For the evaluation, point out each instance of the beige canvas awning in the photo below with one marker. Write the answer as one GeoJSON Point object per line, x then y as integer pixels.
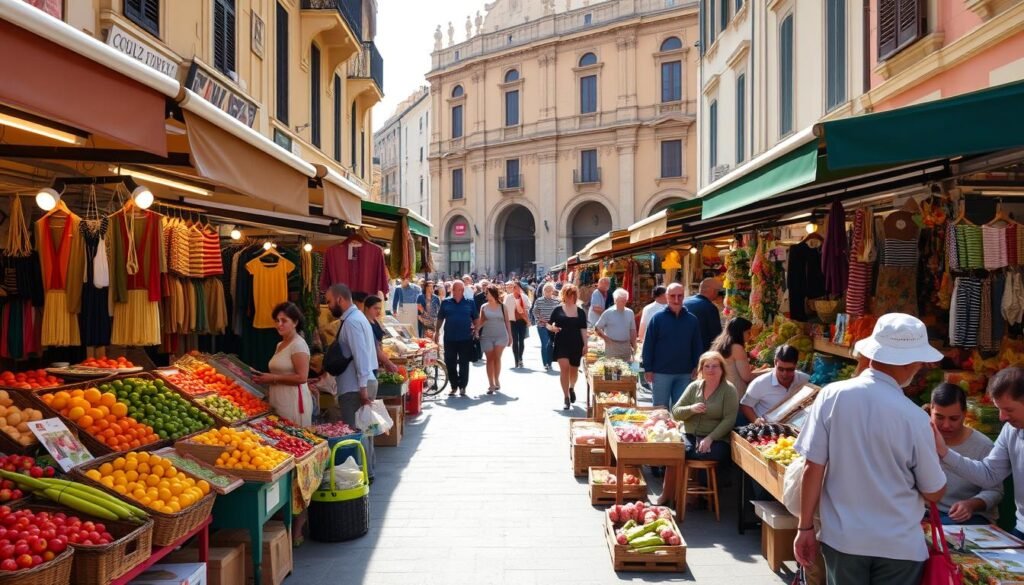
{"type": "Point", "coordinates": [343, 199]}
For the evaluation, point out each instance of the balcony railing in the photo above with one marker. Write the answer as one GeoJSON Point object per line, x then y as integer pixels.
{"type": "Point", "coordinates": [590, 176]}
{"type": "Point", "coordinates": [510, 183]}
{"type": "Point", "coordinates": [350, 10]}
{"type": "Point", "coordinates": [368, 65]}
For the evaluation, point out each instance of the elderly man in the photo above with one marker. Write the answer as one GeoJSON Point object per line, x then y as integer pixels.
{"type": "Point", "coordinates": [543, 306]}
{"type": "Point", "coordinates": [598, 301]}
{"type": "Point", "coordinates": [702, 305]}
{"type": "Point", "coordinates": [617, 327]}
{"type": "Point", "coordinates": [768, 390]}
{"type": "Point", "coordinates": [965, 502]}
{"type": "Point", "coordinates": [457, 317]}
{"type": "Point", "coordinates": [871, 464]}
{"type": "Point", "coordinates": [658, 304]}
{"type": "Point", "coordinates": [671, 350]}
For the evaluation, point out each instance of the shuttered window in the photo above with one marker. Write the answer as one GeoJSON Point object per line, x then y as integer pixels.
{"type": "Point", "coordinates": [588, 94]}
{"type": "Point", "coordinates": [835, 52]}
{"type": "Point", "coordinates": [456, 183]}
{"type": "Point", "coordinates": [456, 122]}
{"type": "Point", "coordinates": [741, 118]}
{"type": "Point", "coordinates": [786, 76]}
{"type": "Point", "coordinates": [712, 23]}
{"type": "Point", "coordinates": [281, 66]}
{"type": "Point", "coordinates": [900, 23]}
{"type": "Point", "coordinates": [224, 35]}
{"type": "Point", "coordinates": [353, 136]}
{"type": "Point", "coordinates": [314, 92]}
{"type": "Point", "coordinates": [145, 13]}
{"type": "Point", "coordinates": [337, 118]}
{"type": "Point", "coordinates": [713, 135]}
{"type": "Point", "coordinates": [723, 14]}
{"type": "Point", "coordinates": [671, 158]}
{"type": "Point", "coordinates": [512, 108]}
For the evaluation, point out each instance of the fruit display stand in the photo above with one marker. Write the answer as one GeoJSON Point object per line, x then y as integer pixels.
{"type": "Point", "coordinates": [769, 474]}
{"type": "Point", "coordinates": [660, 559]}
{"type": "Point", "coordinates": [200, 531]}
{"type": "Point", "coordinates": [585, 451]}
{"type": "Point", "coordinates": [55, 572]}
{"type": "Point", "coordinates": [22, 402]}
{"type": "Point", "coordinates": [603, 493]}
{"type": "Point", "coordinates": [655, 454]}
{"type": "Point", "coordinates": [605, 399]}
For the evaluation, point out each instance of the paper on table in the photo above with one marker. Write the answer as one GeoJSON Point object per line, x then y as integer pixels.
{"type": "Point", "coordinates": [987, 537]}
{"type": "Point", "coordinates": [1008, 559]}
{"type": "Point", "coordinates": [65, 448]}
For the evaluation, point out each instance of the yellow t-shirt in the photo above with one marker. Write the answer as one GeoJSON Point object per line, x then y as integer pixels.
{"type": "Point", "coordinates": [270, 287]}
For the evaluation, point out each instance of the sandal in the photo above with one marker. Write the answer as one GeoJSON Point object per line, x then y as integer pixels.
{"type": "Point", "coordinates": [453, 392]}
{"type": "Point", "coordinates": [490, 390]}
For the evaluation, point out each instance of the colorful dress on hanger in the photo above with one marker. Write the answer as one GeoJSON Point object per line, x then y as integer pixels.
{"type": "Point", "coordinates": [94, 320]}
{"type": "Point", "coordinates": [270, 288]}
{"type": "Point", "coordinates": [62, 261]}
{"type": "Point", "coordinates": [138, 262]}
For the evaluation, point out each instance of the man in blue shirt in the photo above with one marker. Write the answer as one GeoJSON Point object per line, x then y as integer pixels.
{"type": "Point", "coordinates": [457, 316]}
{"type": "Point", "coordinates": [703, 307]}
{"type": "Point", "coordinates": [672, 348]}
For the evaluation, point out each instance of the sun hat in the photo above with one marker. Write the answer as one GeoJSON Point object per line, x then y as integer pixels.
{"type": "Point", "coordinates": [898, 340]}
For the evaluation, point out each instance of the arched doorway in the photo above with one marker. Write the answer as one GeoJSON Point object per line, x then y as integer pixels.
{"type": "Point", "coordinates": [664, 204]}
{"type": "Point", "coordinates": [589, 221]}
{"type": "Point", "coordinates": [517, 241]}
{"type": "Point", "coordinates": [460, 246]}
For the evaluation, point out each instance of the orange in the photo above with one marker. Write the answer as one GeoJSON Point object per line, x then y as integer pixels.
{"type": "Point", "coordinates": [84, 420]}
{"type": "Point", "coordinates": [92, 395]}
{"type": "Point", "coordinates": [106, 469]}
{"type": "Point", "coordinates": [119, 409]}
{"type": "Point", "coordinates": [108, 399]}
{"type": "Point", "coordinates": [93, 474]}
{"type": "Point", "coordinates": [77, 393]}
{"type": "Point", "coordinates": [76, 413]}
{"type": "Point", "coordinates": [95, 413]}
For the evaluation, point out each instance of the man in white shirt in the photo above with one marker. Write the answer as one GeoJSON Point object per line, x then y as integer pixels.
{"type": "Point", "coordinates": [658, 304]}
{"type": "Point", "coordinates": [598, 301]}
{"type": "Point", "coordinates": [871, 464]}
{"type": "Point", "coordinates": [768, 390]}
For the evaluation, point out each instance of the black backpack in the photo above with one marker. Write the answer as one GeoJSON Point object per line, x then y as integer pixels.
{"type": "Point", "coordinates": [335, 362]}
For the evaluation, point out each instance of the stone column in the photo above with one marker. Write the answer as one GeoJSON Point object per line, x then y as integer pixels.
{"type": "Point", "coordinates": [626, 147]}
{"type": "Point", "coordinates": [547, 207]}
{"type": "Point", "coordinates": [476, 168]}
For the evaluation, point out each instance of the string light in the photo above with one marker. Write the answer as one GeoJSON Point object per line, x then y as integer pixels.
{"type": "Point", "coordinates": [47, 198]}
{"type": "Point", "coordinates": [811, 228]}
{"type": "Point", "coordinates": [693, 249]}
{"type": "Point", "coordinates": [267, 245]}
{"type": "Point", "coordinates": [143, 197]}
{"type": "Point", "coordinates": [307, 247]}
{"type": "Point", "coordinates": [236, 234]}
{"type": "Point", "coordinates": [387, 251]}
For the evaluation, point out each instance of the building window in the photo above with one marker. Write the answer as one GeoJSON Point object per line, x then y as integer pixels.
{"type": "Point", "coordinates": [588, 59]}
{"type": "Point", "coordinates": [224, 35]}
{"type": "Point", "coordinates": [337, 118]}
{"type": "Point", "coordinates": [352, 136]}
{"type": "Point", "coordinates": [456, 183]}
{"type": "Point", "coordinates": [723, 14]}
{"type": "Point", "coordinates": [900, 23]}
{"type": "Point", "coordinates": [786, 76]}
{"type": "Point", "coordinates": [456, 122]}
{"type": "Point", "coordinates": [458, 92]}
{"type": "Point", "coordinates": [421, 154]}
{"type": "Point", "coordinates": [739, 5]}
{"type": "Point", "coordinates": [741, 118]}
{"type": "Point", "coordinates": [421, 124]}
{"type": "Point", "coordinates": [512, 107]}
{"type": "Point", "coordinates": [314, 92]}
{"type": "Point", "coordinates": [712, 23]}
{"type": "Point", "coordinates": [512, 176]}
{"type": "Point", "coordinates": [589, 172]}
{"type": "Point", "coordinates": [588, 19]}
{"type": "Point", "coordinates": [713, 134]}
{"type": "Point", "coordinates": [282, 63]}
{"type": "Point", "coordinates": [421, 188]}
{"type": "Point", "coordinates": [671, 81]}
{"type": "Point", "coordinates": [835, 37]}
{"type": "Point", "coordinates": [145, 13]}
{"type": "Point", "coordinates": [671, 158]}
{"type": "Point", "coordinates": [588, 94]}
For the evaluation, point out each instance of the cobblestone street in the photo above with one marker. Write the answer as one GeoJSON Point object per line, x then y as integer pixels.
{"type": "Point", "coordinates": [481, 491]}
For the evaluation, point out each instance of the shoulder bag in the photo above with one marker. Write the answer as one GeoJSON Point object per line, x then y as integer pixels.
{"type": "Point", "coordinates": [939, 569]}
{"type": "Point", "coordinates": [335, 362]}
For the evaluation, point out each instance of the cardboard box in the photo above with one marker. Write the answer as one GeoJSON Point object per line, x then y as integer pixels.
{"type": "Point", "coordinates": [394, 436]}
{"type": "Point", "coordinates": [224, 565]}
{"type": "Point", "coordinates": [170, 574]}
{"type": "Point", "coordinates": [277, 551]}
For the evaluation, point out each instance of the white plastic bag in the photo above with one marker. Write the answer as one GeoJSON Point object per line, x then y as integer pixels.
{"type": "Point", "coordinates": [347, 475]}
{"type": "Point", "coordinates": [374, 419]}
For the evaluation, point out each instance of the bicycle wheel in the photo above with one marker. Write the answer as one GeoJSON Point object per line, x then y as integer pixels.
{"type": "Point", "coordinates": [437, 379]}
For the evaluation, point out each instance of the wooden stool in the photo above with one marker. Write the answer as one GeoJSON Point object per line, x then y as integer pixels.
{"type": "Point", "coordinates": [693, 489]}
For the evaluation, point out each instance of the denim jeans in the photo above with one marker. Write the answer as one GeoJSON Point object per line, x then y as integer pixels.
{"type": "Point", "coordinates": [668, 389]}
{"type": "Point", "coordinates": [547, 346]}
{"type": "Point", "coordinates": [519, 331]}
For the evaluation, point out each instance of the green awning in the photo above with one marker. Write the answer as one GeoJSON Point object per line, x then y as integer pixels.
{"type": "Point", "coordinates": [789, 171]}
{"type": "Point", "coordinates": [982, 121]}
{"type": "Point", "coordinates": [391, 212]}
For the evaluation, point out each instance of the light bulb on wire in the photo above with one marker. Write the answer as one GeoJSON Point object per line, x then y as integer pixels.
{"type": "Point", "coordinates": [47, 198]}
{"type": "Point", "coordinates": [267, 245]}
{"type": "Point", "coordinates": [142, 197]}
{"type": "Point", "coordinates": [811, 227]}
{"type": "Point", "coordinates": [236, 234]}
{"type": "Point", "coordinates": [307, 247]}
{"type": "Point", "coordinates": [693, 249]}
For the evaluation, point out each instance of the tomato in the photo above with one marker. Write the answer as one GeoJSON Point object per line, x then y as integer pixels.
{"type": "Point", "coordinates": [24, 561]}
{"type": "Point", "coordinates": [49, 556]}
{"type": "Point", "coordinates": [38, 546]}
{"type": "Point", "coordinates": [58, 544]}
{"type": "Point", "coordinates": [7, 551]}
{"type": "Point", "coordinates": [8, 565]}
{"type": "Point", "coordinates": [21, 548]}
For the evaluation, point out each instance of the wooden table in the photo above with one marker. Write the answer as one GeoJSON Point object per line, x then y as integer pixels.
{"type": "Point", "coordinates": [671, 455]}
{"type": "Point", "coordinates": [768, 474]}
{"type": "Point", "coordinates": [203, 530]}
{"type": "Point", "coordinates": [249, 507]}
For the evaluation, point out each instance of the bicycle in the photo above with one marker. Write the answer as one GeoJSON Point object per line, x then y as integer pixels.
{"type": "Point", "coordinates": [437, 373]}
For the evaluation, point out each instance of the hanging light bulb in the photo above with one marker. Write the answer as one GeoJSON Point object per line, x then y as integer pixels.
{"type": "Point", "coordinates": [47, 198]}
{"type": "Point", "coordinates": [693, 249]}
{"type": "Point", "coordinates": [236, 234]}
{"type": "Point", "coordinates": [267, 245]}
{"type": "Point", "coordinates": [307, 247]}
{"type": "Point", "coordinates": [387, 251]}
{"type": "Point", "coordinates": [811, 227]}
{"type": "Point", "coordinates": [143, 197]}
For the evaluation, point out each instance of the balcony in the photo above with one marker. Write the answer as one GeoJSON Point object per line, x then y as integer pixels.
{"type": "Point", "coordinates": [366, 74]}
{"type": "Point", "coordinates": [510, 183]}
{"type": "Point", "coordinates": [588, 176]}
{"type": "Point", "coordinates": [336, 24]}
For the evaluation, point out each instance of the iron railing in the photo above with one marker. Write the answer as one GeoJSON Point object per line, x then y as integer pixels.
{"type": "Point", "coordinates": [510, 182]}
{"type": "Point", "coordinates": [350, 10]}
{"type": "Point", "coordinates": [368, 64]}
{"type": "Point", "coordinates": [590, 176]}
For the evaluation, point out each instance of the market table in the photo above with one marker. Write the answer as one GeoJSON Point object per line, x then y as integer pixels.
{"type": "Point", "coordinates": [202, 530]}
{"type": "Point", "coordinates": [249, 507]}
{"type": "Point", "coordinates": [656, 454]}
{"type": "Point", "coordinates": [768, 474]}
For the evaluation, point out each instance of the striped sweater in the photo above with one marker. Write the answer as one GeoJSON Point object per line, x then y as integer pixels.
{"type": "Point", "coordinates": [543, 307]}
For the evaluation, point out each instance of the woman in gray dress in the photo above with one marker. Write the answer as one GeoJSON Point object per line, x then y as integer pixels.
{"type": "Point", "coordinates": [495, 334]}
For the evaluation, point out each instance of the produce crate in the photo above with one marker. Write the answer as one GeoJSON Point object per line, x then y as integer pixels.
{"type": "Point", "coordinates": [98, 565]}
{"type": "Point", "coordinates": [393, 390]}
{"type": "Point", "coordinates": [601, 408]}
{"type": "Point", "coordinates": [8, 444]}
{"type": "Point", "coordinates": [164, 373]}
{"type": "Point", "coordinates": [96, 448]}
{"type": "Point", "coordinates": [55, 572]}
{"type": "Point", "coordinates": [641, 451]}
{"type": "Point", "coordinates": [210, 453]}
{"type": "Point", "coordinates": [394, 437]}
{"type": "Point", "coordinates": [666, 559]}
{"type": "Point", "coordinates": [167, 528]}
{"type": "Point", "coordinates": [604, 494]}
{"type": "Point", "coordinates": [769, 474]}
{"type": "Point", "coordinates": [583, 457]}
{"type": "Point", "coordinates": [623, 384]}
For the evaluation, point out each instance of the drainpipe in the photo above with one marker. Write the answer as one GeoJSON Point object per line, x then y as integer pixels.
{"type": "Point", "coordinates": [751, 86]}
{"type": "Point", "coordinates": [700, 92]}
{"type": "Point", "coordinates": [866, 46]}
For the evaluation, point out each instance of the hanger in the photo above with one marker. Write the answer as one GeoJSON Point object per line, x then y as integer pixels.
{"type": "Point", "coordinates": [961, 217]}
{"type": "Point", "coordinates": [1001, 218]}
{"type": "Point", "coordinates": [272, 251]}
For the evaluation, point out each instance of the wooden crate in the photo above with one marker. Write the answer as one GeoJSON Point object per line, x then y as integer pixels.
{"type": "Point", "coordinates": [601, 408]}
{"type": "Point", "coordinates": [769, 474]}
{"type": "Point", "coordinates": [604, 494]}
{"type": "Point", "coordinates": [583, 457]}
{"type": "Point", "coordinates": [210, 453]}
{"type": "Point", "coordinates": [666, 559]}
{"type": "Point", "coordinates": [394, 437]}
{"type": "Point", "coordinates": [624, 384]}
{"type": "Point", "coordinates": [642, 451]}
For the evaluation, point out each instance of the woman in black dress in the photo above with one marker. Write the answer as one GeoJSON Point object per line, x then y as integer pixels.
{"type": "Point", "coordinates": [569, 325]}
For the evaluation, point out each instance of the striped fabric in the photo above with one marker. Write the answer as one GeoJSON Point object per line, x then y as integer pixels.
{"type": "Point", "coordinates": [543, 307]}
{"type": "Point", "coordinates": [952, 248]}
{"type": "Point", "coordinates": [965, 315]}
{"type": "Point", "coordinates": [985, 340]}
{"type": "Point", "coordinates": [994, 243]}
{"type": "Point", "coordinates": [1012, 259]}
{"type": "Point", "coordinates": [970, 247]}
{"type": "Point", "coordinates": [900, 252]}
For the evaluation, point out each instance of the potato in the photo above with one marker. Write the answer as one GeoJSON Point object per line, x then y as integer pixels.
{"type": "Point", "coordinates": [3, 412]}
{"type": "Point", "coordinates": [27, 439]}
{"type": "Point", "coordinates": [36, 415]}
{"type": "Point", "coordinates": [22, 426]}
{"type": "Point", "coordinates": [14, 417]}
{"type": "Point", "coordinates": [13, 432]}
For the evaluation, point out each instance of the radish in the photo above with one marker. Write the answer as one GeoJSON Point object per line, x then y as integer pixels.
{"type": "Point", "coordinates": [666, 533]}
{"type": "Point", "coordinates": [621, 539]}
{"type": "Point", "coordinates": [649, 517]}
{"type": "Point", "coordinates": [613, 514]}
{"type": "Point", "coordinates": [674, 540]}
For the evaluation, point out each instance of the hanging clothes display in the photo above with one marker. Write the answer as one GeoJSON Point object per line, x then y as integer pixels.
{"type": "Point", "coordinates": [270, 273]}
{"type": "Point", "coordinates": [358, 263]}
{"type": "Point", "coordinates": [861, 251]}
{"type": "Point", "coordinates": [896, 289]}
{"type": "Point", "coordinates": [834, 255]}
{"type": "Point", "coordinates": [965, 312]}
{"type": "Point", "coordinates": [22, 286]}
{"type": "Point", "coordinates": [138, 262]}
{"type": "Point", "coordinates": [804, 278]}
{"type": "Point", "coordinates": [62, 262]}
{"type": "Point", "coordinates": [95, 320]}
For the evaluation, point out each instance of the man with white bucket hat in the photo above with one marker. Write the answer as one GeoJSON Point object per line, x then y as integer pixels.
{"type": "Point", "coordinates": [881, 462]}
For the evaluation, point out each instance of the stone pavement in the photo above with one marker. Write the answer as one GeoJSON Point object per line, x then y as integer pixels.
{"type": "Point", "coordinates": [481, 492]}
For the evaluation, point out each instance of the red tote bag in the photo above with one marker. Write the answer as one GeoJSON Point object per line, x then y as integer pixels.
{"type": "Point", "coordinates": [939, 569]}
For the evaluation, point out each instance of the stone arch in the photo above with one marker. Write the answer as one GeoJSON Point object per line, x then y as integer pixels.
{"type": "Point", "coordinates": [663, 199]}
{"type": "Point", "coordinates": [586, 221]}
{"type": "Point", "coordinates": [515, 238]}
{"type": "Point", "coordinates": [449, 220]}
{"type": "Point", "coordinates": [565, 222]}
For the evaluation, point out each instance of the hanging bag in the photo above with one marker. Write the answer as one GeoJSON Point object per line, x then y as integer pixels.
{"type": "Point", "coordinates": [939, 569]}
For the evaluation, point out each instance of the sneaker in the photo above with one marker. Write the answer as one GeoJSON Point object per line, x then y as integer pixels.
{"type": "Point", "coordinates": [454, 391]}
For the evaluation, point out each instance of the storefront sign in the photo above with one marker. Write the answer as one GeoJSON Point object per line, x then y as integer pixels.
{"type": "Point", "coordinates": [460, 230]}
{"type": "Point", "coordinates": [206, 85]}
{"type": "Point", "coordinates": [54, 8]}
{"type": "Point", "coordinates": [142, 52]}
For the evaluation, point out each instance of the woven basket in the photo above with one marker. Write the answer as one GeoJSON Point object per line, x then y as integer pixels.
{"type": "Point", "coordinates": [339, 521]}
{"type": "Point", "coordinates": [167, 528]}
{"type": "Point", "coordinates": [55, 572]}
{"type": "Point", "coordinates": [98, 565]}
{"type": "Point", "coordinates": [827, 309]}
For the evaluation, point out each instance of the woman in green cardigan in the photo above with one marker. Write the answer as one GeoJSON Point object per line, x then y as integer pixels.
{"type": "Point", "coordinates": [707, 410]}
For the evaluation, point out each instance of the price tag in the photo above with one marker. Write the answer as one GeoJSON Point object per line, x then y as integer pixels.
{"type": "Point", "coordinates": [273, 496]}
{"type": "Point", "coordinates": [63, 446]}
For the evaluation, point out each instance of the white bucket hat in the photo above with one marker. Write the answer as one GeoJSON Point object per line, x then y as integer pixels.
{"type": "Point", "coordinates": [898, 340]}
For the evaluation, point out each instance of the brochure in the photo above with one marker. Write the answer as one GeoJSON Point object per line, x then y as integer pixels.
{"type": "Point", "coordinates": [64, 447]}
